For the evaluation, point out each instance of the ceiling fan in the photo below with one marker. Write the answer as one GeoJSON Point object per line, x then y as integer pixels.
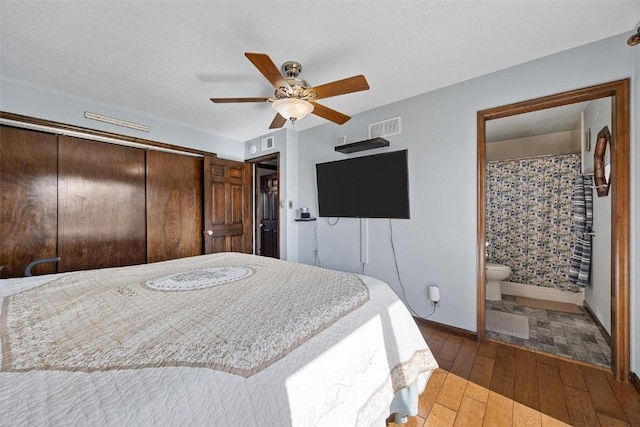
{"type": "Point", "coordinates": [294, 98]}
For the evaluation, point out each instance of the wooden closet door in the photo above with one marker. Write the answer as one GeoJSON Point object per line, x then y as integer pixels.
{"type": "Point", "coordinates": [174, 206]}
{"type": "Point", "coordinates": [28, 200]}
{"type": "Point", "coordinates": [101, 205]}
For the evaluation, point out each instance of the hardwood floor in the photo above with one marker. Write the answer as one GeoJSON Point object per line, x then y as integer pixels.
{"type": "Point", "coordinates": [493, 384]}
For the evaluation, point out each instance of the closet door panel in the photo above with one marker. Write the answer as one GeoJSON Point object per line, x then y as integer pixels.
{"type": "Point", "coordinates": [28, 200]}
{"type": "Point", "coordinates": [174, 206]}
{"type": "Point", "coordinates": [101, 205]}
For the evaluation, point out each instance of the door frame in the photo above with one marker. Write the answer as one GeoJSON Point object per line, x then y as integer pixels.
{"type": "Point", "coordinates": [620, 206]}
{"type": "Point", "coordinates": [256, 194]}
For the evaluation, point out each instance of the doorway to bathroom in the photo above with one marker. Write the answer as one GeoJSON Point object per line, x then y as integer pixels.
{"type": "Point", "coordinates": [526, 213]}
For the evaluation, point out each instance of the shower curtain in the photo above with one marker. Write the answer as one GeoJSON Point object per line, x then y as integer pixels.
{"type": "Point", "coordinates": [529, 218]}
{"type": "Point", "coordinates": [580, 264]}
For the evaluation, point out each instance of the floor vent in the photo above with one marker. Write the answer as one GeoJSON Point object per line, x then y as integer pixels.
{"type": "Point", "coordinates": [385, 128]}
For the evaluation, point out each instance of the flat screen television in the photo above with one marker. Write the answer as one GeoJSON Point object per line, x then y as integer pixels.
{"type": "Point", "coordinates": [375, 186]}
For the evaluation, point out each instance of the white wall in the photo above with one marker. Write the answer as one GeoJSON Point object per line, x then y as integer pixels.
{"type": "Point", "coordinates": [598, 294]}
{"type": "Point", "coordinates": [437, 245]}
{"type": "Point", "coordinates": [28, 101]}
{"type": "Point", "coordinates": [290, 198]}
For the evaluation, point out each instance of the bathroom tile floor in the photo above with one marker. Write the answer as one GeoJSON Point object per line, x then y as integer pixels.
{"type": "Point", "coordinates": [571, 335]}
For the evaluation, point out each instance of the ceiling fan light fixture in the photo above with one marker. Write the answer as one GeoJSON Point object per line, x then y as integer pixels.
{"type": "Point", "coordinates": [293, 109]}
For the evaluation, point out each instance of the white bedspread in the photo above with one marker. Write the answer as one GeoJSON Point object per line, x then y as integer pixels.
{"type": "Point", "coordinates": [345, 375]}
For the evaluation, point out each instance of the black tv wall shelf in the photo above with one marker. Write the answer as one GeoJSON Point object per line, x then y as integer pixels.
{"type": "Point", "coordinates": [367, 144]}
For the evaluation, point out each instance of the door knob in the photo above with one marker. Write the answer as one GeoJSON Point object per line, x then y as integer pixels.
{"type": "Point", "coordinates": [209, 232]}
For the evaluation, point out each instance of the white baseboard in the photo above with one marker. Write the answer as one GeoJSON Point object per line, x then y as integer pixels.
{"type": "Point", "coordinates": [541, 292]}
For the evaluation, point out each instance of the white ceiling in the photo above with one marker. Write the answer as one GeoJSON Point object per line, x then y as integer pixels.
{"type": "Point", "coordinates": [541, 122]}
{"type": "Point", "coordinates": [167, 58]}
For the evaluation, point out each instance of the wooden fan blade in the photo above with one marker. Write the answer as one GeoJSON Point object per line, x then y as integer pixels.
{"type": "Point", "coordinates": [278, 122]}
{"type": "Point", "coordinates": [265, 65]}
{"type": "Point", "coordinates": [340, 87]}
{"type": "Point", "coordinates": [329, 114]}
{"type": "Point", "coordinates": [228, 100]}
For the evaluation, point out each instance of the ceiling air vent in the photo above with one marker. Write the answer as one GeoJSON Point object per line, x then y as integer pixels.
{"type": "Point", "coordinates": [267, 143]}
{"type": "Point", "coordinates": [385, 128]}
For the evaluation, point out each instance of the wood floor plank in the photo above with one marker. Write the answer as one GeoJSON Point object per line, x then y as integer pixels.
{"type": "Point", "coordinates": [428, 397]}
{"type": "Point", "coordinates": [629, 399]}
{"type": "Point", "coordinates": [523, 416]}
{"type": "Point", "coordinates": [504, 371]}
{"type": "Point", "coordinates": [606, 421]}
{"type": "Point", "coordinates": [426, 329]}
{"type": "Point", "coordinates": [580, 408]}
{"type": "Point", "coordinates": [463, 363]}
{"type": "Point", "coordinates": [470, 414]}
{"type": "Point", "coordinates": [466, 390]}
{"type": "Point", "coordinates": [482, 371]}
{"type": "Point", "coordinates": [548, 360]}
{"type": "Point", "coordinates": [452, 391]}
{"type": "Point", "coordinates": [445, 364]}
{"type": "Point", "coordinates": [604, 400]}
{"type": "Point", "coordinates": [480, 379]}
{"type": "Point", "coordinates": [476, 392]}
{"type": "Point", "coordinates": [499, 411]}
{"type": "Point", "coordinates": [552, 399]}
{"type": "Point", "coordinates": [488, 349]}
{"type": "Point", "coordinates": [450, 348]}
{"type": "Point", "coordinates": [548, 421]}
{"type": "Point", "coordinates": [571, 375]}
{"type": "Point", "coordinates": [436, 341]}
{"type": "Point", "coordinates": [440, 416]}
{"type": "Point", "coordinates": [526, 380]}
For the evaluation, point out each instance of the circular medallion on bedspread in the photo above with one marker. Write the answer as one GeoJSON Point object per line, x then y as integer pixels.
{"type": "Point", "coordinates": [199, 279]}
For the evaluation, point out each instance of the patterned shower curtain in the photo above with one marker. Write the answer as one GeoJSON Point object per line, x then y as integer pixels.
{"type": "Point", "coordinates": [580, 264]}
{"type": "Point", "coordinates": [529, 218]}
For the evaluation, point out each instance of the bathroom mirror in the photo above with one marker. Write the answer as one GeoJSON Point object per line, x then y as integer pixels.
{"type": "Point", "coordinates": [602, 162]}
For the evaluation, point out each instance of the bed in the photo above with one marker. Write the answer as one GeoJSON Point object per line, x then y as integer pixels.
{"type": "Point", "coordinates": [221, 339]}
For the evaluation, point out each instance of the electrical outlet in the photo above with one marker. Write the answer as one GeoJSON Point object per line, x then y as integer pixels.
{"type": "Point", "coordinates": [434, 294]}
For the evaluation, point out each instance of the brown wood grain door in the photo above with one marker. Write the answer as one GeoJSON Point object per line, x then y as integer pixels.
{"type": "Point", "coordinates": [28, 200]}
{"type": "Point", "coordinates": [268, 212]}
{"type": "Point", "coordinates": [101, 205]}
{"type": "Point", "coordinates": [174, 206]}
{"type": "Point", "coordinates": [227, 206]}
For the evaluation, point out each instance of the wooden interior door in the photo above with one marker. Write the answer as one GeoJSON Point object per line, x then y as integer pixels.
{"type": "Point", "coordinates": [174, 206]}
{"type": "Point", "coordinates": [101, 205]}
{"type": "Point", "coordinates": [268, 216]}
{"type": "Point", "coordinates": [28, 200]}
{"type": "Point", "coordinates": [227, 206]}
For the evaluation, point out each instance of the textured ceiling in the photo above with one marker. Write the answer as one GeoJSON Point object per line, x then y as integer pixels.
{"type": "Point", "coordinates": [167, 58]}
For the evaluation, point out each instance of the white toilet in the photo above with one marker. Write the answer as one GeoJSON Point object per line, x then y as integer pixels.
{"type": "Point", "coordinates": [496, 273]}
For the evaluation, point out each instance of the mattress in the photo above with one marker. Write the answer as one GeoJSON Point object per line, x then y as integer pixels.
{"type": "Point", "coordinates": [221, 339]}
